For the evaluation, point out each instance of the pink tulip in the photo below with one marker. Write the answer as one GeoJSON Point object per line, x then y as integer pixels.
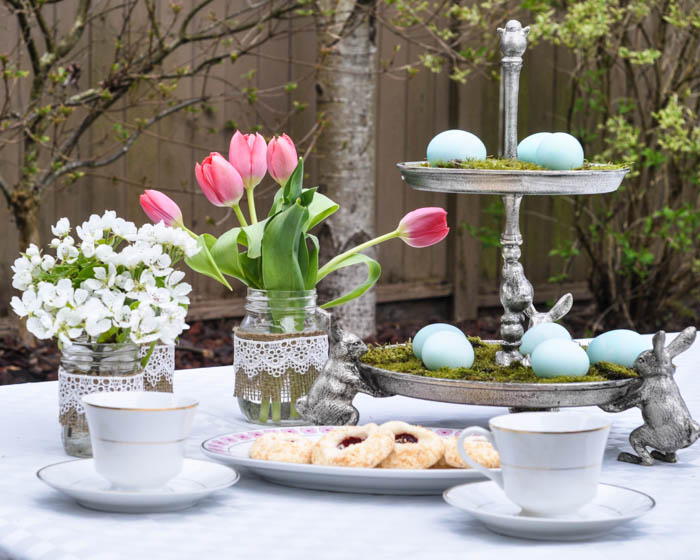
{"type": "Point", "coordinates": [219, 180]}
{"type": "Point", "coordinates": [247, 153]}
{"type": "Point", "coordinates": [281, 158]}
{"type": "Point", "coordinates": [423, 227]}
{"type": "Point", "coordinates": [161, 208]}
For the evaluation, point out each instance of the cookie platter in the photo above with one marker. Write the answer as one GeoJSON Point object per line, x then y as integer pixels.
{"type": "Point", "coordinates": [234, 448]}
{"type": "Point", "coordinates": [513, 395]}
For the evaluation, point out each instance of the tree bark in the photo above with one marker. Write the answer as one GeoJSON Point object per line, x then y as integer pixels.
{"type": "Point", "coordinates": [25, 207]}
{"type": "Point", "coordinates": [346, 170]}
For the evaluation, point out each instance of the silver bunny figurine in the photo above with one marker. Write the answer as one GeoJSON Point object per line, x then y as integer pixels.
{"type": "Point", "coordinates": [668, 425]}
{"type": "Point", "coordinates": [329, 401]}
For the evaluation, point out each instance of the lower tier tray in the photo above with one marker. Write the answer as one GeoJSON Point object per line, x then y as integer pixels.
{"type": "Point", "coordinates": [514, 395]}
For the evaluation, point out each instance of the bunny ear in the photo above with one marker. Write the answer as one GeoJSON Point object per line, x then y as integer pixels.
{"type": "Point", "coordinates": [682, 342]}
{"type": "Point", "coordinates": [562, 307]}
{"type": "Point", "coordinates": [659, 341]}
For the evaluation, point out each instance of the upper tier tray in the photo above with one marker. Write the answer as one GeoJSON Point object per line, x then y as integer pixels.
{"type": "Point", "coordinates": [494, 181]}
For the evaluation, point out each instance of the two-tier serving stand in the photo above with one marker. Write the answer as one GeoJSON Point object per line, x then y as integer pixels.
{"type": "Point", "coordinates": [516, 292]}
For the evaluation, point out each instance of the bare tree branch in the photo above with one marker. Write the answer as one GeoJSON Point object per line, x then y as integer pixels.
{"type": "Point", "coordinates": [50, 178]}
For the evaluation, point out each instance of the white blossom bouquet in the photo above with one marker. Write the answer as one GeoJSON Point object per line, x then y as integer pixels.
{"type": "Point", "coordinates": [116, 285]}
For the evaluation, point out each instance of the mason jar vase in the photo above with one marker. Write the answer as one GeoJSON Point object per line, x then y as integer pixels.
{"type": "Point", "coordinates": [279, 350]}
{"type": "Point", "coordinates": [85, 368]}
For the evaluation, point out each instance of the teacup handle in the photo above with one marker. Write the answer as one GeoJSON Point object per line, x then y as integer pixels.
{"type": "Point", "coordinates": [497, 477]}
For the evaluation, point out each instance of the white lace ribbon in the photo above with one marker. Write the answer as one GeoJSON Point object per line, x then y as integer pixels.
{"type": "Point", "coordinates": [71, 387]}
{"type": "Point", "coordinates": [161, 364]}
{"type": "Point", "coordinates": [276, 357]}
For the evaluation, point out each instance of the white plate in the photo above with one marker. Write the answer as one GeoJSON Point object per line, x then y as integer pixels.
{"type": "Point", "coordinates": [612, 506]}
{"type": "Point", "coordinates": [78, 479]}
{"type": "Point", "coordinates": [234, 448]}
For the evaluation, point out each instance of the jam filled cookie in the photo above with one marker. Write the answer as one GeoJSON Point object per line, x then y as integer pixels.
{"type": "Point", "coordinates": [478, 448]}
{"type": "Point", "coordinates": [353, 446]}
{"type": "Point", "coordinates": [286, 448]}
{"type": "Point", "coordinates": [414, 447]}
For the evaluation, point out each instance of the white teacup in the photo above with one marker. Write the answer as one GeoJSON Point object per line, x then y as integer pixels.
{"type": "Point", "coordinates": [550, 461]}
{"type": "Point", "coordinates": [138, 438]}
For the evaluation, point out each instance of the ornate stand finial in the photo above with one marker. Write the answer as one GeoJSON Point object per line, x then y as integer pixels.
{"type": "Point", "coordinates": [516, 290]}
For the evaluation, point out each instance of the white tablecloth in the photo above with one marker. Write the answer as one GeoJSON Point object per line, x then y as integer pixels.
{"type": "Point", "coordinates": [258, 520]}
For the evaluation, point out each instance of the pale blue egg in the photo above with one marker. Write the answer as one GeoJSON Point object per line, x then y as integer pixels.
{"type": "Point", "coordinates": [620, 346]}
{"type": "Point", "coordinates": [540, 333]}
{"type": "Point", "coordinates": [447, 349]}
{"type": "Point", "coordinates": [455, 144]}
{"type": "Point", "coordinates": [555, 357]}
{"type": "Point", "coordinates": [559, 151]}
{"type": "Point", "coordinates": [527, 149]}
{"type": "Point", "coordinates": [423, 334]}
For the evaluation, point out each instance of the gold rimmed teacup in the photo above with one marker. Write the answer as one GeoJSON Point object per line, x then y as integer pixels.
{"type": "Point", "coordinates": [138, 438]}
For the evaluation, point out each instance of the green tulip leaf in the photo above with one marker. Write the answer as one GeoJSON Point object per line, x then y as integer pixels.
{"type": "Point", "coordinates": [280, 250]}
{"type": "Point", "coordinates": [253, 235]}
{"type": "Point", "coordinates": [252, 269]}
{"type": "Point", "coordinates": [312, 271]}
{"type": "Point", "coordinates": [292, 188]}
{"type": "Point", "coordinates": [204, 263]}
{"type": "Point", "coordinates": [320, 208]}
{"type": "Point", "coordinates": [374, 271]}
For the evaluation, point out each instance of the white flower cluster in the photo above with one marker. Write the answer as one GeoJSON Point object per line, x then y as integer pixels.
{"type": "Point", "coordinates": [117, 281]}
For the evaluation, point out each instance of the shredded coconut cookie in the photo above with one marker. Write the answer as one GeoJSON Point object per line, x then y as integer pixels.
{"type": "Point", "coordinates": [286, 448]}
{"type": "Point", "coordinates": [414, 447]}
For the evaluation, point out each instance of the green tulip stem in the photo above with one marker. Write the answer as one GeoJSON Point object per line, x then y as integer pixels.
{"type": "Point", "coordinates": [251, 206]}
{"type": "Point", "coordinates": [239, 215]}
{"type": "Point", "coordinates": [264, 409]}
{"type": "Point", "coordinates": [276, 410]}
{"type": "Point", "coordinates": [330, 265]}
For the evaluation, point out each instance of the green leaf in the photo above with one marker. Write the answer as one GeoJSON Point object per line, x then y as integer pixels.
{"type": "Point", "coordinates": [307, 196]}
{"type": "Point", "coordinates": [374, 271]}
{"type": "Point", "coordinates": [252, 268]}
{"type": "Point", "coordinates": [224, 251]}
{"type": "Point", "coordinates": [253, 238]}
{"type": "Point", "coordinates": [203, 262]}
{"type": "Point", "coordinates": [312, 272]}
{"type": "Point", "coordinates": [320, 208]}
{"type": "Point", "coordinates": [292, 188]}
{"type": "Point", "coordinates": [280, 248]}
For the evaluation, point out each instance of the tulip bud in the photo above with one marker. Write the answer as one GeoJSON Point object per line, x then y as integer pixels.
{"type": "Point", "coordinates": [281, 158]}
{"type": "Point", "coordinates": [247, 153]}
{"type": "Point", "coordinates": [219, 180]}
{"type": "Point", "coordinates": [161, 208]}
{"type": "Point", "coordinates": [423, 227]}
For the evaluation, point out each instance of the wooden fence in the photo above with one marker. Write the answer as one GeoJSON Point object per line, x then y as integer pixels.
{"type": "Point", "coordinates": [408, 112]}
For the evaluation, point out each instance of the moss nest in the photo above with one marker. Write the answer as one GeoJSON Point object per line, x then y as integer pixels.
{"type": "Point", "coordinates": [505, 164]}
{"type": "Point", "coordinates": [401, 359]}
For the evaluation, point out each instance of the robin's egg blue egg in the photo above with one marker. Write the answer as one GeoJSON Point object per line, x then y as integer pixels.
{"type": "Point", "coordinates": [559, 151]}
{"type": "Point", "coordinates": [423, 334]}
{"type": "Point", "coordinates": [540, 333]}
{"type": "Point", "coordinates": [527, 149]}
{"type": "Point", "coordinates": [452, 145]}
{"type": "Point", "coordinates": [555, 357]}
{"type": "Point", "coordinates": [447, 349]}
{"type": "Point", "coordinates": [621, 346]}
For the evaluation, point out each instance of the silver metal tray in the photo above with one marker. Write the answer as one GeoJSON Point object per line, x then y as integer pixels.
{"type": "Point", "coordinates": [515, 395]}
{"type": "Point", "coordinates": [494, 181]}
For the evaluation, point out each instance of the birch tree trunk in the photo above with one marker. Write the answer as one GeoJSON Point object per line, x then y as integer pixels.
{"type": "Point", "coordinates": [345, 92]}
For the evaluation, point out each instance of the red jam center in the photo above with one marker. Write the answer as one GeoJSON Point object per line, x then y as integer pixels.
{"type": "Point", "coordinates": [405, 438]}
{"type": "Point", "coordinates": [348, 441]}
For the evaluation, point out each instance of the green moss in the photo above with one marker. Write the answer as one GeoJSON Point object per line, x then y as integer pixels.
{"type": "Point", "coordinates": [503, 164]}
{"type": "Point", "coordinates": [401, 359]}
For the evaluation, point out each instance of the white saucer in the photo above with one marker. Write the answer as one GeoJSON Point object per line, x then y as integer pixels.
{"type": "Point", "coordinates": [612, 506]}
{"type": "Point", "coordinates": [78, 479]}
